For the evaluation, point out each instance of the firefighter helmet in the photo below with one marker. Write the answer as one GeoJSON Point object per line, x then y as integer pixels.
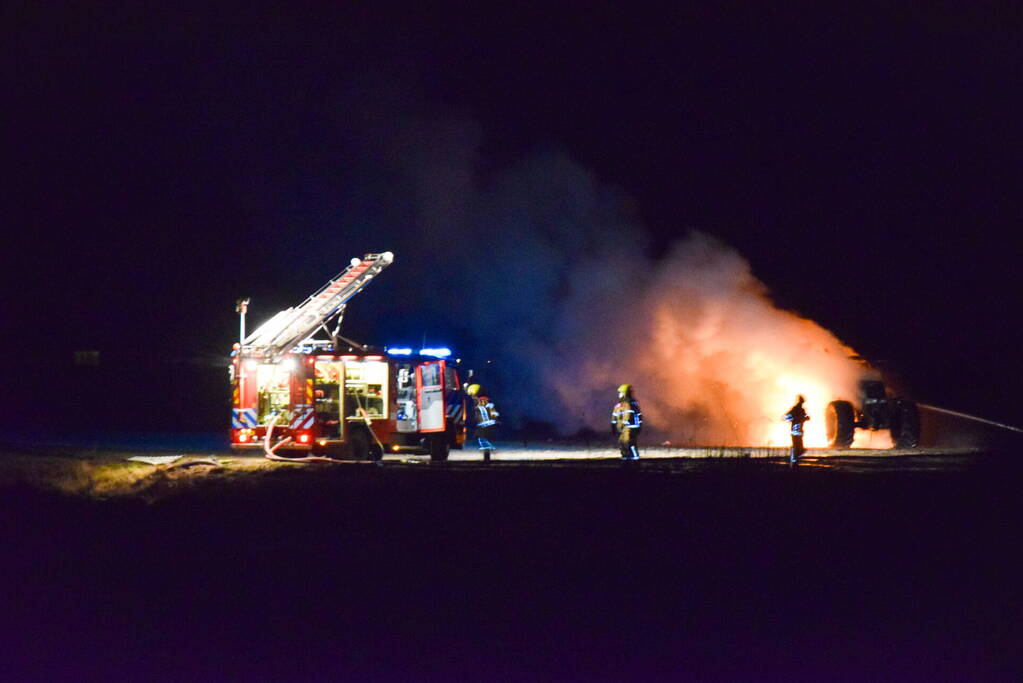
{"type": "Point", "coordinates": [472, 389]}
{"type": "Point", "coordinates": [625, 390]}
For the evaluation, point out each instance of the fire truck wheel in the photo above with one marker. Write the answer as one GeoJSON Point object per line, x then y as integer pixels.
{"type": "Point", "coordinates": [439, 447]}
{"type": "Point", "coordinates": [840, 422]}
{"type": "Point", "coordinates": [358, 444]}
{"type": "Point", "coordinates": [905, 425]}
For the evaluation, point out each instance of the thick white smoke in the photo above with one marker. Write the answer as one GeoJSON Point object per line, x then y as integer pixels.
{"type": "Point", "coordinates": [571, 305]}
{"type": "Point", "coordinates": [712, 359]}
{"type": "Point", "coordinates": [551, 275]}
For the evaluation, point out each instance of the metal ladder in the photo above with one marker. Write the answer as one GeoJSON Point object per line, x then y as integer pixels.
{"type": "Point", "coordinates": [293, 325]}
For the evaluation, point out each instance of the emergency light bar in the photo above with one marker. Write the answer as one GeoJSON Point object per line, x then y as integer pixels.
{"type": "Point", "coordinates": [440, 352]}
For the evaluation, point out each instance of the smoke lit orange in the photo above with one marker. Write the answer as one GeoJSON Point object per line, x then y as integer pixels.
{"type": "Point", "coordinates": [714, 361]}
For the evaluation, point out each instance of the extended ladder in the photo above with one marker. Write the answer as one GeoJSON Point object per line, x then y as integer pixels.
{"type": "Point", "coordinates": [292, 326]}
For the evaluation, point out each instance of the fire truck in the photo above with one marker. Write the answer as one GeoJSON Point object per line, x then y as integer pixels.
{"type": "Point", "coordinates": [298, 395]}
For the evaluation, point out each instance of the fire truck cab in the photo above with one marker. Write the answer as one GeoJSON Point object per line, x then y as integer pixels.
{"type": "Point", "coordinates": [299, 395]}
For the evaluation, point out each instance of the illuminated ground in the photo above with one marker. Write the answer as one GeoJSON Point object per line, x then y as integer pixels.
{"type": "Point", "coordinates": [562, 565]}
{"type": "Point", "coordinates": [102, 473]}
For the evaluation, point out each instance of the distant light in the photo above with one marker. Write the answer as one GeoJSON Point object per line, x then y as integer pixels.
{"type": "Point", "coordinates": [399, 351]}
{"type": "Point", "coordinates": [442, 352]}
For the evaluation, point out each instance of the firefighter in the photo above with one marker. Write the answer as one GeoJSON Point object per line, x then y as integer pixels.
{"type": "Point", "coordinates": [797, 416]}
{"type": "Point", "coordinates": [626, 423]}
{"type": "Point", "coordinates": [486, 419]}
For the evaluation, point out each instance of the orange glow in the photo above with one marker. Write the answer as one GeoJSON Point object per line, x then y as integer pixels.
{"type": "Point", "coordinates": [713, 360]}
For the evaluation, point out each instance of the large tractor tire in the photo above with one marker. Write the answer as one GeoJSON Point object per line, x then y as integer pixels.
{"type": "Point", "coordinates": [905, 424]}
{"type": "Point", "coordinates": [439, 447]}
{"type": "Point", "coordinates": [840, 421]}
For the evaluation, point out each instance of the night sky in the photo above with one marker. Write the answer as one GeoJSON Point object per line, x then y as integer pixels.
{"type": "Point", "coordinates": [866, 162]}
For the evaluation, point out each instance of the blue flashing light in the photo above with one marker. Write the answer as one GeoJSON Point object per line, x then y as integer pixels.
{"type": "Point", "coordinates": [399, 351]}
{"type": "Point", "coordinates": [442, 352]}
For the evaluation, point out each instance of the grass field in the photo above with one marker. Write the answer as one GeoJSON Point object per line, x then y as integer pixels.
{"type": "Point", "coordinates": [741, 568]}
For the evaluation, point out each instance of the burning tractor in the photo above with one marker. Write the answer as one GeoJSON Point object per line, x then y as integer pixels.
{"type": "Point", "coordinates": [878, 409]}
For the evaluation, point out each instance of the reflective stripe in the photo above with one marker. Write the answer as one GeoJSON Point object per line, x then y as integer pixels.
{"type": "Point", "coordinates": [303, 419]}
{"type": "Point", "coordinates": [245, 417]}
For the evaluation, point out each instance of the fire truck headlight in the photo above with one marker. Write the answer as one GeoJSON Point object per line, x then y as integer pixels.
{"type": "Point", "coordinates": [304, 438]}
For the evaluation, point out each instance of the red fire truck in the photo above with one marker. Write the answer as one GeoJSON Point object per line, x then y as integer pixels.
{"type": "Point", "coordinates": [299, 395]}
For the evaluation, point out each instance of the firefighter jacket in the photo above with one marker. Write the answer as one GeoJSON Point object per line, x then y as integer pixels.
{"type": "Point", "coordinates": [486, 413]}
{"type": "Point", "coordinates": [626, 417]}
{"type": "Point", "coordinates": [797, 416]}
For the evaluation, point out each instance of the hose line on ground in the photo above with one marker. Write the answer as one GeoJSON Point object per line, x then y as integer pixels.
{"type": "Point", "coordinates": [270, 454]}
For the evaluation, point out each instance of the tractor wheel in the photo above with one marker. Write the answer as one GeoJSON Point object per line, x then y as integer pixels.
{"type": "Point", "coordinates": [439, 447]}
{"type": "Point", "coordinates": [840, 422]}
{"type": "Point", "coordinates": [358, 444]}
{"type": "Point", "coordinates": [905, 425]}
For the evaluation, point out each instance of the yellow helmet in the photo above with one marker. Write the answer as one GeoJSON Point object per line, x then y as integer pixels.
{"type": "Point", "coordinates": [625, 390]}
{"type": "Point", "coordinates": [472, 389]}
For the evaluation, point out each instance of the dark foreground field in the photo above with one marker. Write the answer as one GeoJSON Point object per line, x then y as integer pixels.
{"type": "Point", "coordinates": [713, 570]}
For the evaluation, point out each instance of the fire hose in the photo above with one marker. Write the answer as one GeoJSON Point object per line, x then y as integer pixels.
{"type": "Point", "coordinates": [269, 452]}
{"type": "Point", "coordinates": [956, 413]}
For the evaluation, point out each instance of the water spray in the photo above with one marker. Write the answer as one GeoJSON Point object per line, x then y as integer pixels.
{"type": "Point", "coordinates": [956, 413]}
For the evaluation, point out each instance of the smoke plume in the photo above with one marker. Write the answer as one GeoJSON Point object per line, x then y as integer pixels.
{"type": "Point", "coordinates": [551, 276]}
{"type": "Point", "coordinates": [571, 306]}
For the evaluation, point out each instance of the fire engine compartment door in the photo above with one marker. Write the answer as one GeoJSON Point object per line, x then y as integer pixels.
{"type": "Point", "coordinates": [430, 396]}
{"type": "Point", "coordinates": [329, 377]}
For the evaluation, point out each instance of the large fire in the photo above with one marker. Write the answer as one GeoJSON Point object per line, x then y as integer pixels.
{"type": "Point", "coordinates": [713, 360]}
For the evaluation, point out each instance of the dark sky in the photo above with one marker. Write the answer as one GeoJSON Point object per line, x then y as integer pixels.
{"type": "Point", "coordinates": [867, 162]}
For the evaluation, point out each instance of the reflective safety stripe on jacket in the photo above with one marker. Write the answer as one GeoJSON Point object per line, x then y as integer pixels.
{"type": "Point", "coordinates": [626, 415]}
{"type": "Point", "coordinates": [486, 413]}
{"type": "Point", "coordinates": [797, 418]}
